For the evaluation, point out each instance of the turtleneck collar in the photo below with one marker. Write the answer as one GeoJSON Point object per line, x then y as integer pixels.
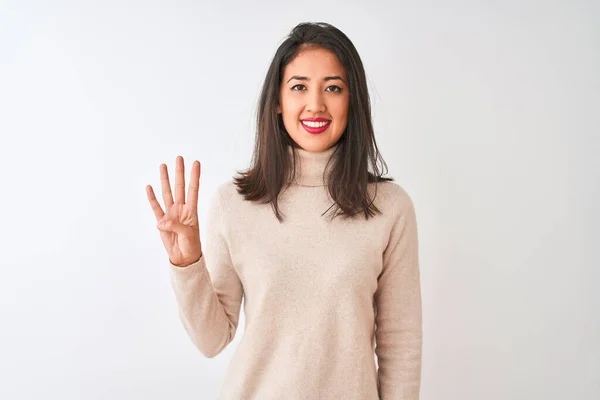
{"type": "Point", "coordinates": [310, 167]}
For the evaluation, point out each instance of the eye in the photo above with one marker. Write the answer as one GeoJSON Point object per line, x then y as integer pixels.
{"type": "Point", "coordinates": [336, 89]}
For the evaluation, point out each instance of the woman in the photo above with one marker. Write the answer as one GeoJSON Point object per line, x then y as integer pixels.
{"type": "Point", "coordinates": [323, 251]}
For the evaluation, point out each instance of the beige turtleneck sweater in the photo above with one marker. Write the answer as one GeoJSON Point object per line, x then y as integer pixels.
{"type": "Point", "coordinates": [323, 300]}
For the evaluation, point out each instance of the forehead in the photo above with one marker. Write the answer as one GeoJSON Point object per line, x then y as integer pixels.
{"type": "Point", "coordinates": [315, 62]}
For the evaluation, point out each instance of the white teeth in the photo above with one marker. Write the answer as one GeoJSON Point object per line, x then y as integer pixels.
{"type": "Point", "coordinates": [314, 124]}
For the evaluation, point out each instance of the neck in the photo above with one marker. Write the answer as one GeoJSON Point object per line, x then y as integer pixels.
{"type": "Point", "coordinates": [310, 166]}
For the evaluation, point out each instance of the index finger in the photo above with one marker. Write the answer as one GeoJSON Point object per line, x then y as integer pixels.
{"type": "Point", "coordinates": [192, 196]}
{"type": "Point", "coordinates": [158, 211]}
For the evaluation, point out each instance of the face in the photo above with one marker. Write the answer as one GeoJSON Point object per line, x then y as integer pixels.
{"type": "Point", "coordinates": [314, 86]}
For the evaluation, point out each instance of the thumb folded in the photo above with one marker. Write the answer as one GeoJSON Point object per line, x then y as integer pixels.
{"type": "Point", "coordinates": [172, 226]}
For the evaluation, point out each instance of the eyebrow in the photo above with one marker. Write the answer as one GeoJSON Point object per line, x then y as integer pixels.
{"type": "Point", "coordinates": [327, 78]}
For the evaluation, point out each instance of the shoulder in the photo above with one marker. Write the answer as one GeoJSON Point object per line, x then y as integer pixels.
{"type": "Point", "coordinates": [394, 197]}
{"type": "Point", "coordinates": [227, 193]}
{"type": "Point", "coordinates": [226, 189]}
{"type": "Point", "coordinates": [220, 200]}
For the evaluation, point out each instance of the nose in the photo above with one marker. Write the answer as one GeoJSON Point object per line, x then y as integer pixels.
{"type": "Point", "coordinates": [315, 102]}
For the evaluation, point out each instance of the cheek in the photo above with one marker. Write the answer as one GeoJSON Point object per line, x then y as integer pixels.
{"type": "Point", "coordinates": [290, 107]}
{"type": "Point", "coordinates": [340, 108]}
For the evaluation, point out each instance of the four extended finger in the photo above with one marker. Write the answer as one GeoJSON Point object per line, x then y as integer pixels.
{"type": "Point", "coordinates": [165, 186]}
{"type": "Point", "coordinates": [179, 180]}
{"type": "Point", "coordinates": [192, 196]}
{"type": "Point", "coordinates": [154, 204]}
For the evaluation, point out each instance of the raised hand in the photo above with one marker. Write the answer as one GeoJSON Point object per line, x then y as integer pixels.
{"type": "Point", "coordinates": [178, 226]}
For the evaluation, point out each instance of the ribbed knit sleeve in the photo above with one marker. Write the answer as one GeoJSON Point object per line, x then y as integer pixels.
{"type": "Point", "coordinates": [398, 308]}
{"type": "Point", "coordinates": [209, 292]}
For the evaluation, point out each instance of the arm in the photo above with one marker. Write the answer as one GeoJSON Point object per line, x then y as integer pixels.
{"type": "Point", "coordinates": [398, 304]}
{"type": "Point", "coordinates": [209, 291]}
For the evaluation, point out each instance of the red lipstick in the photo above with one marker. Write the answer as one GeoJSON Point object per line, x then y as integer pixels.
{"type": "Point", "coordinates": [316, 130]}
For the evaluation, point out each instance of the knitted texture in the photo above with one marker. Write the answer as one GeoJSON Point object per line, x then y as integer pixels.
{"type": "Point", "coordinates": [324, 300]}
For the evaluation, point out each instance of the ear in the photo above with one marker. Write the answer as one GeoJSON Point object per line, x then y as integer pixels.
{"type": "Point", "coordinates": [278, 109]}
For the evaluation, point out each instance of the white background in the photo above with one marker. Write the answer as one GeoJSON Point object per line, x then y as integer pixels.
{"type": "Point", "coordinates": [485, 112]}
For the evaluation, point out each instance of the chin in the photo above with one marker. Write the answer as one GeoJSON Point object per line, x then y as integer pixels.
{"type": "Point", "coordinates": [316, 146]}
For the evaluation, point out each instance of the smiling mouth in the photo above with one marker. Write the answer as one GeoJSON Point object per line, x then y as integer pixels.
{"type": "Point", "coordinates": [315, 124]}
{"type": "Point", "coordinates": [315, 127]}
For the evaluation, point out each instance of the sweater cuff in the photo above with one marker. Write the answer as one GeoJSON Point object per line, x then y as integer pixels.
{"type": "Point", "coordinates": [190, 270]}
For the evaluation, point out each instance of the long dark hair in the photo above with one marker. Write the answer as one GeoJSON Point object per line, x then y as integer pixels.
{"type": "Point", "coordinates": [357, 150]}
